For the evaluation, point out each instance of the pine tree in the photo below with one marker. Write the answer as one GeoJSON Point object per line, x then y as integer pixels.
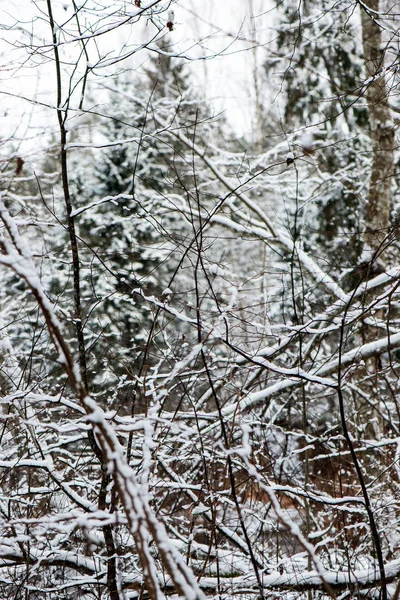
{"type": "Point", "coordinates": [319, 63]}
{"type": "Point", "coordinates": [133, 237]}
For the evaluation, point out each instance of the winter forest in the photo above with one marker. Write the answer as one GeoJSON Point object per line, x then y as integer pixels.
{"type": "Point", "coordinates": [200, 300]}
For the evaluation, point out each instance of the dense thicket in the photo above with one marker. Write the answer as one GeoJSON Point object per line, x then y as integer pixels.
{"type": "Point", "coordinates": [199, 340]}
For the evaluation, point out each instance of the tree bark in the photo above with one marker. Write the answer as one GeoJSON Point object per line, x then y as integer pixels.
{"type": "Point", "coordinates": [381, 128]}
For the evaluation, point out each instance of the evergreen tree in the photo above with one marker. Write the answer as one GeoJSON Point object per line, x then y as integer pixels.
{"type": "Point", "coordinates": [326, 120]}
{"type": "Point", "coordinates": [133, 237]}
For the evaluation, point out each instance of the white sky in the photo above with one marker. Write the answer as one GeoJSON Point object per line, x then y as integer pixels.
{"type": "Point", "coordinates": [230, 77]}
{"type": "Point", "coordinates": [203, 28]}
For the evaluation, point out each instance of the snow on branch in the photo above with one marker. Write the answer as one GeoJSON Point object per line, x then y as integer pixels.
{"type": "Point", "coordinates": [141, 519]}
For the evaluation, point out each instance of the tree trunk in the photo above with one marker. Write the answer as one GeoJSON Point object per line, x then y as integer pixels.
{"type": "Point", "coordinates": [381, 129]}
